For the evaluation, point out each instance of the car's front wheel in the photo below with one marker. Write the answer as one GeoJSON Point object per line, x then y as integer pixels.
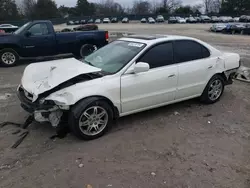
{"type": "Point", "coordinates": [213, 90]}
{"type": "Point", "coordinates": [8, 58]}
{"type": "Point", "coordinates": [90, 119]}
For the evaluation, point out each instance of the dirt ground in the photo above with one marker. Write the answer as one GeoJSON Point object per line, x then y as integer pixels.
{"type": "Point", "coordinates": [185, 145]}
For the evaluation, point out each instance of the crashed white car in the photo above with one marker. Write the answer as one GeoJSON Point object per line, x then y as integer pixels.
{"type": "Point", "coordinates": [127, 76]}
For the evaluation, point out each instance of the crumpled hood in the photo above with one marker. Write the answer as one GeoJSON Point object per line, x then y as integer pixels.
{"type": "Point", "coordinates": [40, 77]}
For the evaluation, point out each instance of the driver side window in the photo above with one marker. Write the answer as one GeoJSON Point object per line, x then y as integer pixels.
{"type": "Point", "coordinates": [39, 29]}
{"type": "Point", "coordinates": [159, 56]}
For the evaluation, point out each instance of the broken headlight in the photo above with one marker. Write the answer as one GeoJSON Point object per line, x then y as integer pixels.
{"type": "Point", "coordinates": [46, 102]}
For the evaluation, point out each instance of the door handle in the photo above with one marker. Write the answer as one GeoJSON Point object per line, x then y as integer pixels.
{"type": "Point", "coordinates": [210, 66]}
{"type": "Point", "coordinates": [171, 75]}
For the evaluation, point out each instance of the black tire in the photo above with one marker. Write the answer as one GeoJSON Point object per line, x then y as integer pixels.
{"type": "Point", "coordinates": [77, 112]}
{"type": "Point", "coordinates": [14, 58]}
{"type": "Point", "coordinates": [205, 95]}
{"type": "Point", "coordinates": [87, 49]}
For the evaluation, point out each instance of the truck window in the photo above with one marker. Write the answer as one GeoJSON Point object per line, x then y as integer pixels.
{"type": "Point", "coordinates": [39, 29]}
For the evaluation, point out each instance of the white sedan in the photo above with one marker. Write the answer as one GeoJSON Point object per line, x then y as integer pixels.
{"type": "Point", "coordinates": [151, 20]}
{"type": "Point", "coordinates": [141, 73]}
{"type": "Point", "coordinates": [181, 20]}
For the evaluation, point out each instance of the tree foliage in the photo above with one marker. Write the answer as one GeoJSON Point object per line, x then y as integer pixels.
{"type": "Point", "coordinates": [8, 10]}
{"type": "Point", "coordinates": [40, 9]}
{"type": "Point", "coordinates": [109, 7]}
{"type": "Point", "coordinates": [212, 6]}
{"type": "Point", "coordinates": [171, 5]}
{"type": "Point", "coordinates": [235, 7]}
{"type": "Point", "coordinates": [142, 7]}
{"type": "Point", "coordinates": [84, 8]}
{"type": "Point", "coordinates": [187, 10]}
{"type": "Point", "coordinates": [46, 9]}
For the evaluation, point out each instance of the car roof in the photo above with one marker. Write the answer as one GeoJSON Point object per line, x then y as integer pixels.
{"type": "Point", "coordinates": [151, 39]}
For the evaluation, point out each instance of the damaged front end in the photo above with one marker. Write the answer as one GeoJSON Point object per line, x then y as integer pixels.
{"type": "Point", "coordinates": [43, 111]}
{"type": "Point", "coordinates": [52, 111]}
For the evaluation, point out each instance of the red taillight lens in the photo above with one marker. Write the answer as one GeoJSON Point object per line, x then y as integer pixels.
{"type": "Point", "coordinates": [107, 35]}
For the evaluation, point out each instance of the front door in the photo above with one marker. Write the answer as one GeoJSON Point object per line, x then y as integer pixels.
{"type": "Point", "coordinates": [153, 88]}
{"type": "Point", "coordinates": [40, 42]}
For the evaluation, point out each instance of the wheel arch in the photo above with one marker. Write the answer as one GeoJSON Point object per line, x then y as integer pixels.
{"type": "Point", "coordinates": [222, 74]}
{"type": "Point", "coordinates": [10, 47]}
{"type": "Point", "coordinates": [93, 98]}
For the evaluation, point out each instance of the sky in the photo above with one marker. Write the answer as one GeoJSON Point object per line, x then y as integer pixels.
{"type": "Point", "coordinates": [126, 3]}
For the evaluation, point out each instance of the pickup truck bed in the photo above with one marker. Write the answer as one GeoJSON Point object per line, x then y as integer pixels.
{"type": "Point", "coordinates": [39, 39]}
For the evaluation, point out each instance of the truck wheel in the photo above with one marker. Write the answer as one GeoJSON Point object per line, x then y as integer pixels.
{"type": "Point", "coordinates": [91, 118]}
{"type": "Point", "coordinates": [8, 58]}
{"type": "Point", "coordinates": [87, 49]}
{"type": "Point", "coordinates": [213, 90]}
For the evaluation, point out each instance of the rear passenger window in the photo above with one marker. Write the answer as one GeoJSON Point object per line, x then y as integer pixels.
{"type": "Point", "coordinates": [205, 52]}
{"type": "Point", "coordinates": [186, 50]}
{"type": "Point", "coordinates": [158, 56]}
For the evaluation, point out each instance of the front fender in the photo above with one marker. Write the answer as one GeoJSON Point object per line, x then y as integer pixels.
{"type": "Point", "coordinates": [69, 96]}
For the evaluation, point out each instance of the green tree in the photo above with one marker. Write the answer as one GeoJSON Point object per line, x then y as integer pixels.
{"type": "Point", "coordinates": [187, 10]}
{"type": "Point", "coordinates": [141, 7]}
{"type": "Point", "coordinates": [162, 10]}
{"type": "Point", "coordinates": [84, 8]}
{"type": "Point", "coordinates": [235, 7]}
{"type": "Point", "coordinates": [8, 10]}
{"type": "Point", "coordinates": [45, 9]}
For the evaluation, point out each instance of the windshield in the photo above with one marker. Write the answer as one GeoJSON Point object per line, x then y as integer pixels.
{"type": "Point", "coordinates": [114, 56]}
{"type": "Point", "coordinates": [21, 29]}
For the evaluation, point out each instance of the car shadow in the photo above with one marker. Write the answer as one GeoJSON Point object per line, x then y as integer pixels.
{"type": "Point", "coordinates": [127, 121]}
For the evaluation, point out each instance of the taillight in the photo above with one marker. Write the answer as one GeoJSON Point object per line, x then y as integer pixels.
{"type": "Point", "coordinates": [107, 36]}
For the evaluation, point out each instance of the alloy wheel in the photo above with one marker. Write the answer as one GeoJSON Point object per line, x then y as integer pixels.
{"type": "Point", "coordinates": [93, 120]}
{"type": "Point", "coordinates": [215, 90]}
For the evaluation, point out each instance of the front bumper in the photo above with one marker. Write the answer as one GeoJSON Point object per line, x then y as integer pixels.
{"type": "Point", "coordinates": [41, 112]}
{"type": "Point", "coordinates": [30, 106]}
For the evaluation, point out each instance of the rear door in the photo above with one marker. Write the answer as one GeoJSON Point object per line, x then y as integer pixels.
{"type": "Point", "coordinates": [152, 88]}
{"type": "Point", "coordinates": [195, 65]}
{"type": "Point", "coordinates": [41, 42]}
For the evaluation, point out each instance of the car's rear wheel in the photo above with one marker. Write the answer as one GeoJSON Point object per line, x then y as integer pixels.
{"type": "Point", "coordinates": [90, 119]}
{"type": "Point", "coordinates": [87, 49]}
{"type": "Point", "coordinates": [8, 58]}
{"type": "Point", "coordinates": [213, 90]}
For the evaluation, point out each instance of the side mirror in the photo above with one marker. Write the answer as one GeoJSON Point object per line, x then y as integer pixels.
{"type": "Point", "coordinates": [141, 67]}
{"type": "Point", "coordinates": [27, 33]}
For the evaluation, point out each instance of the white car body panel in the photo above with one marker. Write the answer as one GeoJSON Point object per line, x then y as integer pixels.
{"type": "Point", "coordinates": [40, 77]}
{"type": "Point", "coordinates": [144, 96]}
{"type": "Point", "coordinates": [130, 93]}
{"type": "Point", "coordinates": [108, 87]}
{"type": "Point", "coordinates": [181, 20]}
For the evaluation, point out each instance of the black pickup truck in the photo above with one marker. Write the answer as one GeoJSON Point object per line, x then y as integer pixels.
{"type": "Point", "coordinates": [39, 39]}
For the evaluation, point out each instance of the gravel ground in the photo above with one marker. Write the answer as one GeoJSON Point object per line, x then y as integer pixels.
{"type": "Point", "coordinates": [185, 145]}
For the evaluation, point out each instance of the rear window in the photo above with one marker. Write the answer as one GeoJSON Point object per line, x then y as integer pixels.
{"type": "Point", "coordinates": [187, 50]}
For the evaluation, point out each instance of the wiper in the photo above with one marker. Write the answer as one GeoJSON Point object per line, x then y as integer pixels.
{"type": "Point", "coordinates": [88, 62]}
